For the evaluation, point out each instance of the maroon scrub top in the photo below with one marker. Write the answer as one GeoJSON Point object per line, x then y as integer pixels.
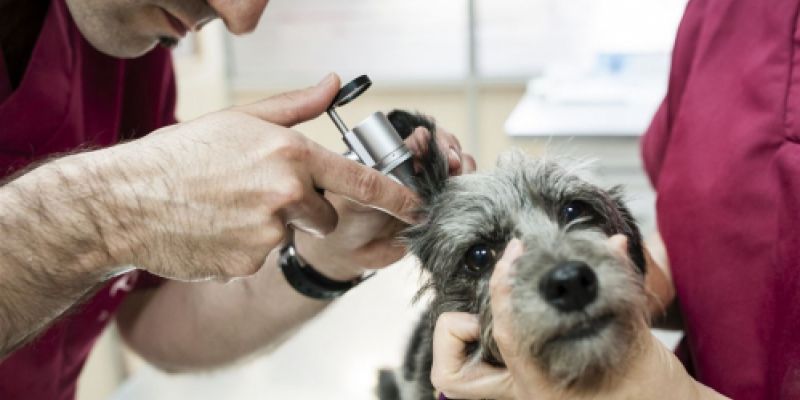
{"type": "Point", "coordinates": [723, 153]}
{"type": "Point", "coordinates": [72, 97]}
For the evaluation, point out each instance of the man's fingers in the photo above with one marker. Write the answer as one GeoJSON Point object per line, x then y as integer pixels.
{"type": "Point", "coordinates": [313, 214]}
{"type": "Point", "coordinates": [500, 285]}
{"type": "Point", "coordinates": [451, 147]}
{"type": "Point", "coordinates": [657, 277]}
{"type": "Point", "coordinates": [458, 162]}
{"type": "Point", "coordinates": [297, 106]}
{"type": "Point", "coordinates": [454, 329]}
{"type": "Point", "coordinates": [524, 372]}
{"type": "Point", "coordinates": [468, 164]}
{"type": "Point", "coordinates": [365, 185]}
{"type": "Point", "coordinates": [619, 244]}
{"type": "Point", "coordinates": [452, 373]}
{"type": "Point", "coordinates": [452, 333]}
{"type": "Point", "coordinates": [453, 162]}
{"type": "Point", "coordinates": [417, 141]}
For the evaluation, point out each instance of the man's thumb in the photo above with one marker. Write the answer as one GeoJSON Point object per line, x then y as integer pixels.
{"type": "Point", "coordinates": [297, 106]}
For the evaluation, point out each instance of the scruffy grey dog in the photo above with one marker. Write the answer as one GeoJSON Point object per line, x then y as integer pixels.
{"type": "Point", "coordinates": [577, 306]}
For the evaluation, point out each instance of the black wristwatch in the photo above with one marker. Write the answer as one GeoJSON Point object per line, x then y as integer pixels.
{"type": "Point", "coordinates": [307, 280]}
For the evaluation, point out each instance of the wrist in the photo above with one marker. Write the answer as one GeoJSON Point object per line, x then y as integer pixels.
{"type": "Point", "coordinates": [127, 195]}
{"type": "Point", "coordinates": [326, 266]}
{"type": "Point", "coordinates": [305, 279]}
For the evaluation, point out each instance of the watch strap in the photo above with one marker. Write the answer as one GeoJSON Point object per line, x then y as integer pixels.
{"type": "Point", "coordinates": [308, 281]}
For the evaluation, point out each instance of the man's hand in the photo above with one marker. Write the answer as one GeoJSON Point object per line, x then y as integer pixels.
{"type": "Point", "coordinates": [211, 197]}
{"type": "Point", "coordinates": [200, 200]}
{"type": "Point", "coordinates": [177, 311]}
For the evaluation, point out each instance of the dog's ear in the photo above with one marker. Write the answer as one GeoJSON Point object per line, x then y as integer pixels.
{"type": "Point", "coordinates": [405, 122]}
{"type": "Point", "coordinates": [432, 174]}
{"type": "Point", "coordinates": [628, 227]}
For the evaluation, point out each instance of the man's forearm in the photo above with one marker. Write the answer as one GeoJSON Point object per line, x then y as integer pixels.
{"type": "Point", "coordinates": [188, 326]}
{"type": "Point", "coordinates": [52, 251]}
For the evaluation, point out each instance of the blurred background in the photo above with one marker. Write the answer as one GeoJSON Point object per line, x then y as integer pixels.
{"type": "Point", "coordinates": [574, 77]}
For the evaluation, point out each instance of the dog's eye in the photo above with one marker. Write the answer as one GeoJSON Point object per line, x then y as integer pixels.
{"type": "Point", "coordinates": [574, 210]}
{"type": "Point", "coordinates": [479, 258]}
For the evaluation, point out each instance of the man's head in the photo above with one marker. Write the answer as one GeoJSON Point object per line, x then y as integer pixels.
{"type": "Point", "coordinates": [130, 28]}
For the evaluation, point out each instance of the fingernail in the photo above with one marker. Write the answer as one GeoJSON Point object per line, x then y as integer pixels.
{"type": "Point", "coordinates": [421, 133]}
{"type": "Point", "coordinates": [514, 247]}
{"type": "Point", "coordinates": [618, 243]}
{"type": "Point", "coordinates": [326, 79]}
{"type": "Point", "coordinates": [453, 156]}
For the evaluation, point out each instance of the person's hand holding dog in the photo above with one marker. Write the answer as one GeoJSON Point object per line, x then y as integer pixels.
{"type": "Point", "coordinates": [653, 373]}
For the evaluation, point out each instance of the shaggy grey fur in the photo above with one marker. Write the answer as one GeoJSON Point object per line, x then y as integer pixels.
{"type": "Point", "coordinates": [559, 217]}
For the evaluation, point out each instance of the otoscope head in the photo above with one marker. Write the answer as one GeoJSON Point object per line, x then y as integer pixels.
{"type": "Point", "coordinates": [350, 91]}
{"type": "Point", "coordinates": [347, 94]}
{"type": "Point", "coordinates": [373, 142]}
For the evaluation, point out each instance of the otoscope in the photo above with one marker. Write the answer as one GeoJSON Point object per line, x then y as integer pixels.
{"type": "Point", "coordinates": [374, 142]}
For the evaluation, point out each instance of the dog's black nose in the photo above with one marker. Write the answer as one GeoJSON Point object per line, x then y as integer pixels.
{"type": "Point", "coordinates": [570, 286]}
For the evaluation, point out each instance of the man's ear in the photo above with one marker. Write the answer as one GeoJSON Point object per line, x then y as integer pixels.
{"type": "Point", "coordinates": [628, 227]}
{"type": "Point", "coordinates": [430, 179]}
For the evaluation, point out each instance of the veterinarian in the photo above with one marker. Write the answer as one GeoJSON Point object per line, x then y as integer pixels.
{"type": "Point", "coordinates": [723, 153]}
{"type": "Point", "coordinates": [206, 200]}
